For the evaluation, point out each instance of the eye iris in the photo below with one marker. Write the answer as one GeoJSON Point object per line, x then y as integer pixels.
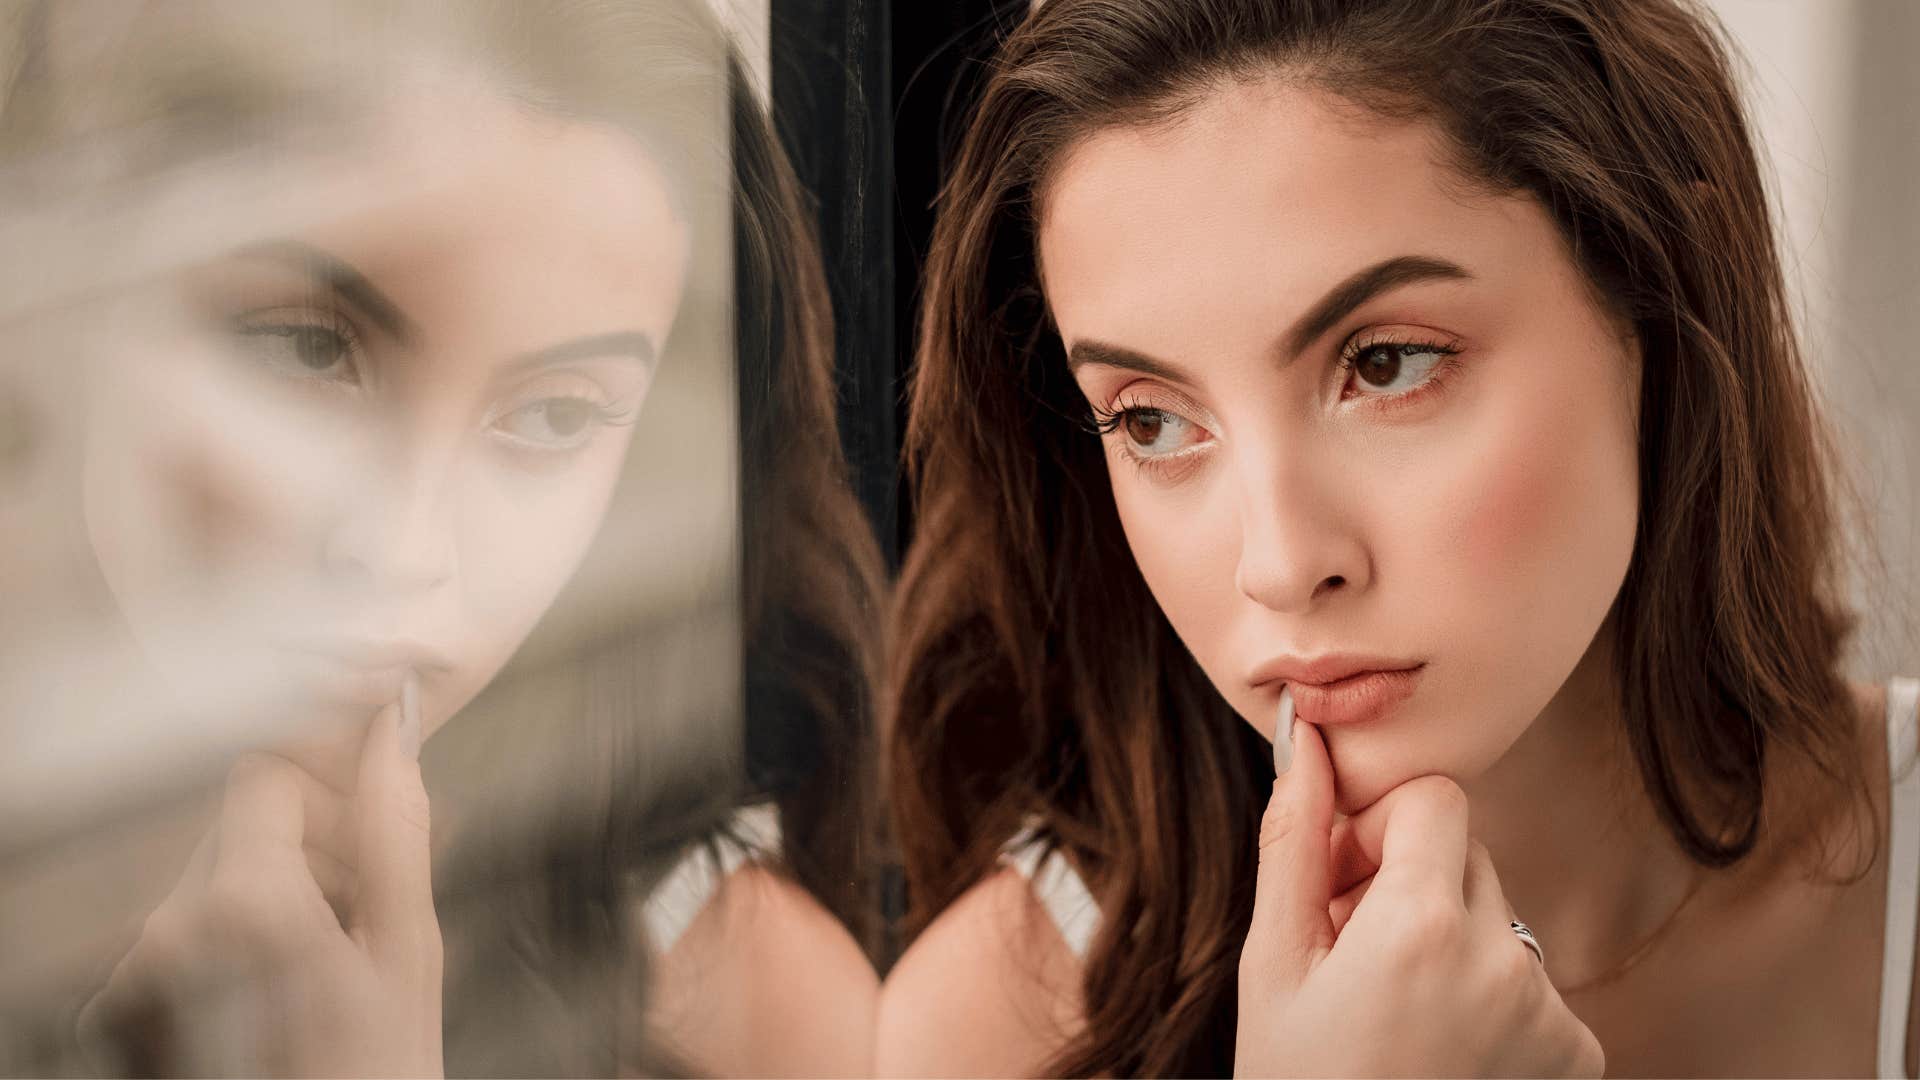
{"type": "Point", "coordinates": [1143, 425]}
{"type": "Point", "coordinates": [566, 418]}
{"type": "Point", "coordinates": [317, 348]}
{"type": "Point", "coordinates": [1380, 365]}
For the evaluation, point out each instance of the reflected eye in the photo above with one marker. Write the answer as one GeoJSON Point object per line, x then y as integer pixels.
{"type": "Point", "coordinates": [1393, 369]}
{"type": "Point", "coordinates": [300, 349]}
{"type": "Point", "coordinates": [556, 423]}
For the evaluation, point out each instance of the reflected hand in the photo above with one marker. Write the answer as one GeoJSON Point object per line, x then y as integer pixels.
{"type": "Point", "coordinates": [302, 939]}
{"type": "Point", "coordinates": [1414, 971]}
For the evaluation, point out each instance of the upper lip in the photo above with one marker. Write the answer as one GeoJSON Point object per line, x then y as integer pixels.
{"type": "Point", "coordinates": [1328, 668]}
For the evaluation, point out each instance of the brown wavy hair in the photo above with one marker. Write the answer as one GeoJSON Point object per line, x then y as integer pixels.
{"type": "Point", "coordinates": [1033, 672]}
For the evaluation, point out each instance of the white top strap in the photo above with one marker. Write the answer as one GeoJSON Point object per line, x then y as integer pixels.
{"type": "Point", "coordinates": [1903, 874]}
{"type": "Point", "coordinates": [694, 880]}
{"type": "Point", "coordinates": [1058, 887]}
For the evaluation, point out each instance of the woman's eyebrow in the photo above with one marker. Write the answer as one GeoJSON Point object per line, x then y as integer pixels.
{"type": "Point", "coordinates": [632, 345]}
{"type": "Point", "coordinates": [1339, 301]}
{"type": "Point", "coordinates": [1117, 356]}
{"type": "Point", "coordinates": [334, 274]}
{"type": "Point", "coordinates": [1362, 286]}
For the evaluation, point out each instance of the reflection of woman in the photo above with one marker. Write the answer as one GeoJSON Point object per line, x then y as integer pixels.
{"type": "Point", "coordinates": [377, 409]}
{"type": "Point", "coordinates": [1267, 345]}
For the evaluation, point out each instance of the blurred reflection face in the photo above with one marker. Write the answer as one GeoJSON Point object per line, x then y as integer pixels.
{"type": "Point", "coordinates": [1438, 467]}
{"type": "Point", "coordinates": [384, 438]}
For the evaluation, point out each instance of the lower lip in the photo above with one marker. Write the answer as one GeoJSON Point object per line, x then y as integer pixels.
{"type": "Point", "coordinates": [1357, 699]}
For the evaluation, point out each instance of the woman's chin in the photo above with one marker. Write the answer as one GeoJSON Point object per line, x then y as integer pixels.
{"type": "Point", "coordinates": [1361, 779]}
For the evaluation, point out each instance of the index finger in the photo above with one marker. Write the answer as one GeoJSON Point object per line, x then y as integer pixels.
{"type": "Point", "coordinates": [393, 910]}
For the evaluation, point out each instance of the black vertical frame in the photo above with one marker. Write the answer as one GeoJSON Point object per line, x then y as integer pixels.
{"type": "Point", "coordinates": [831, 83]}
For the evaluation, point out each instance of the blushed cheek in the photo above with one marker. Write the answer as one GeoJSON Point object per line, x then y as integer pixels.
{"type": "Point", "coordinates": [1544, 515]}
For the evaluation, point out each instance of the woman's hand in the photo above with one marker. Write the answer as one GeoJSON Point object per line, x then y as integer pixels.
{"type": "Point", "coordinates": [302, 939]}
{"type": "Point", "coordinates": [1413, 972]}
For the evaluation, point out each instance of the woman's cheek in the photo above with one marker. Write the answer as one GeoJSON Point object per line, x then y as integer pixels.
{"type": "Point", "coordinates": [1540, 510]}
{"type": "Point", "coordinates": [524, 534]}
{"type": "Point", "coordinates": [1186, 544]}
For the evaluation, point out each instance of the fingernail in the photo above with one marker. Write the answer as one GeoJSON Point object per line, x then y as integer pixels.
{"type": "Point", "coordinates": [1283, 733]}
{"type": "Point", "coordinates": [410, 716]}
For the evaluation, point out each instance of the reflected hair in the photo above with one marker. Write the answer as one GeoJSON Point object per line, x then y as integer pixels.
{"type": "Point", "coordinates": [1033, 674]}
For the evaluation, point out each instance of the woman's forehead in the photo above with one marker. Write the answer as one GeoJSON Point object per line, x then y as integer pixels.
{"type": "Point", "coordinates": [1256, 193]}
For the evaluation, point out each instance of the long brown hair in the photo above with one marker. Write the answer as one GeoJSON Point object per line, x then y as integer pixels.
{"type": "Point", "coordinates": [1034, 675]}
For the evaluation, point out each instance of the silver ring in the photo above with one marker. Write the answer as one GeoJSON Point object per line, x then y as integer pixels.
{"type": "Point", "coordinates": [1525, 934]}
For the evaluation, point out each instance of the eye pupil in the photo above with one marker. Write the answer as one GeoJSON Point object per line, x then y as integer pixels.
{"type": "Point", "coordinates": [1143, 425]}
{"type": "Point", "coordinates": [1380, 364]}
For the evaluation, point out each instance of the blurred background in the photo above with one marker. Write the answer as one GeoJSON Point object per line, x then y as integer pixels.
{"type": "Point", "coordinates": [1835, 98]}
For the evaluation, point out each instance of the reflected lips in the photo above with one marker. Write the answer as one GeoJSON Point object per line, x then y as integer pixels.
{"type": "Point", "coordinates": [1354, 700]}
{"type": "Point", "coordinates": [363, 673]}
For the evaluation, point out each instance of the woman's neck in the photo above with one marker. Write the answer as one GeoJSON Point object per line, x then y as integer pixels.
{"type": "Point", "coordinates": [1582, 855]}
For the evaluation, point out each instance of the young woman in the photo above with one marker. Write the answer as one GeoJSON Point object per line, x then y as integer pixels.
{"type": "Point", "coordinates": [462, 361]}
{"type": "Point", "coordinates": [1421, 372]}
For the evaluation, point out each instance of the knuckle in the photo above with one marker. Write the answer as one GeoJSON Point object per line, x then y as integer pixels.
{"type": "Point", "coordinates": [1441, 794]}
{"type": "Point", "coordinates": [1591, 1058]}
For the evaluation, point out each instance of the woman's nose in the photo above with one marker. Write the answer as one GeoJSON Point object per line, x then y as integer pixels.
{"type": "Point", "coordinates": [395, 532]}
{"type": "Point", "coordinates": [1296, 545]}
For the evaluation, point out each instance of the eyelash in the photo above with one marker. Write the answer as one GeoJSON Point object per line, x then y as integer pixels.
{"type": "Point", "coordinates": [1106, 421]}
{"type": "Point", "coordinates": [603, 414]}
{"type": "Point", "coordinates": [257, 325]}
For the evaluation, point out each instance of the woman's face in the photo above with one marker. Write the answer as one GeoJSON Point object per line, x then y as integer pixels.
{"type": "Point", "coordinates": [383, 439]}
{"type": "Point", "coordinates": [1356, 409]}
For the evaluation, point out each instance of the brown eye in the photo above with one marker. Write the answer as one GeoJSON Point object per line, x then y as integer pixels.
{"type": "Point", "coordinates": [304, 350]}
{"type": "Point", "coordinates": [317, 347]}
{"type": "Point", "coordinates": [1144, 425]}
{"type": "Point", "coordinates": [1380, 365]}
{"type": "Point", "coordinates": [555, 423]}
{"type": "Point", "coordinates": [1396, 369]}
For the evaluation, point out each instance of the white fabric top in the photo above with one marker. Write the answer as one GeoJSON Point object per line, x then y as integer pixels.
{"type": "Point", "coordinates": [1903, 874]}
{"type": "Point", "coordinates": [1057, 885]}
{"type": "Point", "coordinates": [693, 881]}
{"type": "Point", "coordinates": [1059, 888]}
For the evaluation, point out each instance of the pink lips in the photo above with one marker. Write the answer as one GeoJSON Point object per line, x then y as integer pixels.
{"type": "Point", "coordinates": [1357, 699]}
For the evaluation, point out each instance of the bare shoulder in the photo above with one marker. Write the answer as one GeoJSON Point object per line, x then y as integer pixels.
{"type": "Point", "coordinates": [766, 982]}
{"type": "Point", "coordinates": [988, 989]}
